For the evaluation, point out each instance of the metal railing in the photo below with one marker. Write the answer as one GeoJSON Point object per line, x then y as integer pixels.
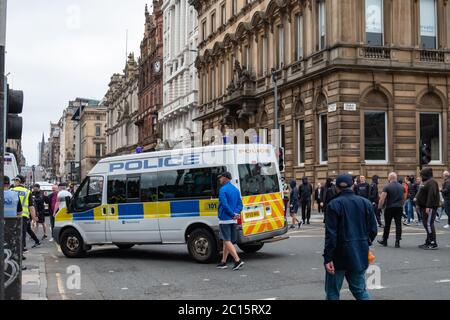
{"type": "Point", "coordinates": [376, 52]}
{"type": "Point", "coordinates": [431, 56]}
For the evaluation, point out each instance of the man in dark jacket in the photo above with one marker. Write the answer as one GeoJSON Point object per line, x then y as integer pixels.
{"type": "Point", "coordinates": [293, 204]}
{"type": "Point", "coordinates": [428, 202]}
{"type": "Point", "coordinates": [305, 192]}
{"type": "Point", "coordinates": [318, 195]}
{"type": "Point", "coordinates": [446, 196]}
{"type": "Point", "coordinates": [362, 188]}
{"type": "Point", "coordinates": [412, 191]}
{"type": "Point", "coordinates": [350, 229]}
{"type": "Point", "coordinates": [374, 197]}
{"type": "Point", "coordinates": [329, 192]}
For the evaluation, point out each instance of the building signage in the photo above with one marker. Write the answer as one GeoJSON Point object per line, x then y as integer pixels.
{"type": "Point", "coordinates": [332, 107]}
{"type": "Point", "coordinates": [349, 106]}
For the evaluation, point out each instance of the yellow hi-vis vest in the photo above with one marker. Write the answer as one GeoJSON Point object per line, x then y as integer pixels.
{"type": "Point", "coordinates": [24, 196]}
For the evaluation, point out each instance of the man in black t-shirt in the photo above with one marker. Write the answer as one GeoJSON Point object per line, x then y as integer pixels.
{"type": "Point", "coordinates": [392, 198]}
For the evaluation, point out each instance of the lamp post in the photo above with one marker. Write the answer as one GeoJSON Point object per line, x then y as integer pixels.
{"type": "Point", "coordinates": [2, 142]}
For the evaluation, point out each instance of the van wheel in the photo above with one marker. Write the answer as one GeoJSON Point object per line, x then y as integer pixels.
{"type": "Point", "coordinates": [251, 247]}
{"type": "Point", "coordinates": [124, 246]}
{"type": "Point", "coordinates": [202, 245]}
{"type": "Point", "coordinates": [72, 244]}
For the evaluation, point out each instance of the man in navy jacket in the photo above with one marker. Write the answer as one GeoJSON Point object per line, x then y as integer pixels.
{"type": "Point", "coordinates": [351, 228]}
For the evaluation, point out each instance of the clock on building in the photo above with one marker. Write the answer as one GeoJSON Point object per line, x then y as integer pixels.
{"type": "Point", "coordinates": [157, 66]}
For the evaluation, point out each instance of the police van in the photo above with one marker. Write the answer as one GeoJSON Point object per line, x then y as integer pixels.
{"type": "Point", "coordinates": [171, 197]}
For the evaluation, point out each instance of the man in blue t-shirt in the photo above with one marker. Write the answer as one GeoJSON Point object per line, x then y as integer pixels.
{"type": "Point", "coordinates": [230, 207]}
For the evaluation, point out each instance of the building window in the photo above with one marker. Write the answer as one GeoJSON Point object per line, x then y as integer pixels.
{"type": "Point", "coordinates": [374, 22]}
{"type": "Point", "coordinates": [321, 24]}
{"type": "Point", "coordinates": [98, 150]}
{"type": "Point", "coordinates": [430, 134]}
{"type": "Point", "coordinates": [323, 138]}
{"type": "Point", "coordinates": [428, 25]}
{"type": "Point", "coordinates": [98, 131]}
{"type": "Point", "coordinates": [280, 47]}
{"type": "Point", "coordinates": [204, 33]}
{"type": "Point", "coordinates": [265, 52]}
{"type": "Point", "coordinates": [301, 141]}
{"type": "Point", "coordinates": [222, 75]}
{"type": "Point", "coordinates": [299, 37]}
{"type": "Point", "coordinates": [213, 22]}
{"type": "Point", "coordinates": [375, 136]}
{"type": "Point", "coordinates": [223, 13]}
{"type": "Point", "coordinates": [234, 7]}
{"type": "Point", "coordinates": [282, 136]}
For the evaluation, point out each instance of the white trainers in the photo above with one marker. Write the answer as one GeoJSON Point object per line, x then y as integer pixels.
{"type": "Point", "coordinates": [51, 240]}
{"type": "Point", "coordinates": [447, 226]}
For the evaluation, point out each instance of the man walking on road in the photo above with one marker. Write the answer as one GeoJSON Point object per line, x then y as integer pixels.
{"type": "Point", "coordinates": [293, 205]}
{"type": "Point", "coordinates": [393, 197]}
{"type": "Point", "coordinates": [27, 208]}
{"type": "Point", "coordinates": [230, 207]}
{"type": "Point", "coordinates": [446, 196]}
{"type": "Point", "coordinates": [350, 228]}
{"type": "Point", "coordinates": [362, 188]}
{"type": "Point", "coordinates": [305, 192]}
{"type": "Point", "coordinates": [374, 198]}
{"type": "Point", "coordinates": [39, 205]}
{"type": "Point", "coordinates": [428, 202]}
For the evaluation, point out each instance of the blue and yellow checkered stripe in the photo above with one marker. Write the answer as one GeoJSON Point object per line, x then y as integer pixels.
{"type": "Point", "coordinates": [147, 210]}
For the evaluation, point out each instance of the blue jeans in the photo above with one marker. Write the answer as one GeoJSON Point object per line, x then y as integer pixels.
{"type": "Point", "coordinates": [410, 210]}
{"type": "Point", "coordinates": [356, 282]}
{"type": "Point", "coordinates": [447, 209]}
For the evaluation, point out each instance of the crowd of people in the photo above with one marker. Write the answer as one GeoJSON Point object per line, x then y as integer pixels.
{"type": "Point", "coordinates": [405, 200]}
{"type": "Point", "coordinates": [33, 204]}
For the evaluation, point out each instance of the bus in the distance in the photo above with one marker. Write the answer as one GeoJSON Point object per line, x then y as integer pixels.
{"type": "Point", "coordinates": [171, 197]}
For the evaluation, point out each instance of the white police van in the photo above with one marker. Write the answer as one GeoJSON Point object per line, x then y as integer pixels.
{"type": "Point", "coordinates": [171, 197]}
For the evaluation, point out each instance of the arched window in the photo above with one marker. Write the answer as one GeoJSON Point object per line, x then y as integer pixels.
{"type": "Point", "coordinates": [430, 122]}
{"type": "Point", "coordinates": [375, 105]}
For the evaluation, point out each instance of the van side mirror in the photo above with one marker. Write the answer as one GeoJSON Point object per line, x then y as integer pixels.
{"type": "Point", "coordinates": [68, 204]}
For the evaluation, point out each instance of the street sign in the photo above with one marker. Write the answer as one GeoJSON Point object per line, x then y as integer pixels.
{"type": "Point", "coordinates": [349, 106]}
{"type": "Point", "coordinates": [332, 107]}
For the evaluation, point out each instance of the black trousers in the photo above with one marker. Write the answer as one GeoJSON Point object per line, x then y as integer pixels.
{"type": "Point", "coordinates": [396, 214]}
{"type": "Point", "coordinates": [319, 207]}
{"type": "Point", "coordinates": [377, 213]}
{"type": "Point", "coordinates": [27, 229]}
{"type": "Point", "coordinates": [306, 210]}
{"type": "Point", "coordinates": [428, 223]}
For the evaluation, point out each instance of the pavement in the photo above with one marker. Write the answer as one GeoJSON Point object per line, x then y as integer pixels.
{"type": "Point", "coordinates": [289, 269]}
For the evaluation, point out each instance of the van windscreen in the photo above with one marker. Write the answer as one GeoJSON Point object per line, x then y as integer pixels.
{"type": "Point", "coordinates": [259, 178]}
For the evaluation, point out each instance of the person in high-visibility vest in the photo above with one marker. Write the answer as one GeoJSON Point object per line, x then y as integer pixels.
{"type": "Point", "coordinates": [27, 208]}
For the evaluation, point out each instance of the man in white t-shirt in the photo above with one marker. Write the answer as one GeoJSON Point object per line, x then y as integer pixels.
{"type": "Point", "coordinates": [61, 198]}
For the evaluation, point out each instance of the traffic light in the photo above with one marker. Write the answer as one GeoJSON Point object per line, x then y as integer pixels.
{"type": "Point", "coordinates": [281, 159]}
{"type": "Point", "coordinates": [425, 154]}
{"type": "Point", "coordinates": [14, 106]}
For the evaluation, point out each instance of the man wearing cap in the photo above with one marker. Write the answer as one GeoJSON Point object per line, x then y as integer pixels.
{"type": "Point", "coordinates": [27, 208]}
{"type": "Point", "coordinates": [230, 207]}
{"type": "Point", "coordinates": [350, 228]}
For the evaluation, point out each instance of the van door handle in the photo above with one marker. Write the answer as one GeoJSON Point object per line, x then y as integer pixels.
{"type": "Point", "coordinates": [104, 211]}
{"type": "Point", "coordinates": [113, 211]}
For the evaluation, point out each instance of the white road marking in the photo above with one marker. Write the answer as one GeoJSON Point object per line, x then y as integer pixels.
{"type": "Point", "coordinates": [380, 234]}
{"type": "Point", "coordinates": [79, 294]}
{"type": "Point", "coordinates": [292, 254]}
{"type": "Point", "coordinates": [206, 280]}
{"type": "Point", "coordinates": [406, 261]}
{"type": "Point", "coordinates": [60, 285]}
{"type": "Point", "coordinates": [376, 288]}
{"type": "Point", "coordinates": [165, 284]}
{"type": "Point", "coordinates": [436, 260]}
{"type": "Point", "coordinates": [276, 271]}
{"type": "Point", "coordinates": [269, 299]}
{"type": "Point", "coordinates": [124, 289]}
{"type": "Point", "coordinates": [56, 261]}
{"type": "Point", "coordinates": [111, 271]}
{"type": "Point", "coordinates": [243, 275]}
{"type": "Point", "coordinates": [59, 249]}
{"type": "Point", "coordinates": [314, 269]}
{"type": "Point", "coordinates": [443, 281]}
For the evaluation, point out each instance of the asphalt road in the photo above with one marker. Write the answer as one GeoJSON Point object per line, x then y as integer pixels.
{"type": "Point", "coordinates": [290, 269]}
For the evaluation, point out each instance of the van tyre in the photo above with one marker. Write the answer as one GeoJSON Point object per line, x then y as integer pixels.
{"type": "Point", "coordinates": [251, 247]}
{"type": "Point", "coordinates": [124, 246]}
{"type": "Point", "coordinates": [72, 244]}
{"type": "Point", "coordinates": [202, 245]}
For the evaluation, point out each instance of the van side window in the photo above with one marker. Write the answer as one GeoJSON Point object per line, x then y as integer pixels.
{"type": "Point", "coordinates": [117, 189]}
{"type": "Point", "coordinates": [199, 183]}
{"type": "Point", "coordinates": [260, 178]}
{"type": "Point", "coordinates": [149, 190]}
{"type": "Point", "coordinates": [133, 189]}
{"type": "Point", "coordinates": [89, 194]}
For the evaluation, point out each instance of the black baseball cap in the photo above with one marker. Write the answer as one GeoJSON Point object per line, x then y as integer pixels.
{"type": "Point", "coordinates": [225, 174]}
{"type": "Point", "coordinates": [36, 185]}
{"type": "Point", "coordinates": [20, 178]}
{"type": "Point", "coordinates": [6, 180]}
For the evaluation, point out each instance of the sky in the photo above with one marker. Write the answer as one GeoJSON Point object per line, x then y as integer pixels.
{"type": "Point", "coordinates": [58, 50]}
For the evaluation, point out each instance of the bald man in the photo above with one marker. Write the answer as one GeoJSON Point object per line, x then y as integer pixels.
{"type": "Point", "coordinates": [446, 196]}
{"type": "Point", "coordinates": [392, 199]}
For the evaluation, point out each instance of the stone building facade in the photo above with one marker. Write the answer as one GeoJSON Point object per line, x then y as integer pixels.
{"type": "Point", "coordinates": [122, 105]}
{"type": "Point", "coordinates": [362, 84]}
{"type": "Point", "coordinates": [179, 72]}
{"type": "Point", "coordinates": [67, 143]}
{"type": "Point", "coordinates": [150, 79]}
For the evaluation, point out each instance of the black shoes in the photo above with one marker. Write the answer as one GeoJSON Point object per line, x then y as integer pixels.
{"type": "Point", "coordinates": [423, 246]}
{"type": "Point", "coordinates": [299, 224]}
{"type": "Point", "coordinates": [382, 242]}
{"type": "Point", "coordinates": [44, 237]}
{"type": "Point", "coordinates": [37, 244]}
{"type": "Point", "coordinates": [432, 246]}
{"type": "Point", "coordinates": [222, 265]}
{"type": "Point", "coordinates": [397, 244]}
{"type": "Point", "coordinates": [238, 265]}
